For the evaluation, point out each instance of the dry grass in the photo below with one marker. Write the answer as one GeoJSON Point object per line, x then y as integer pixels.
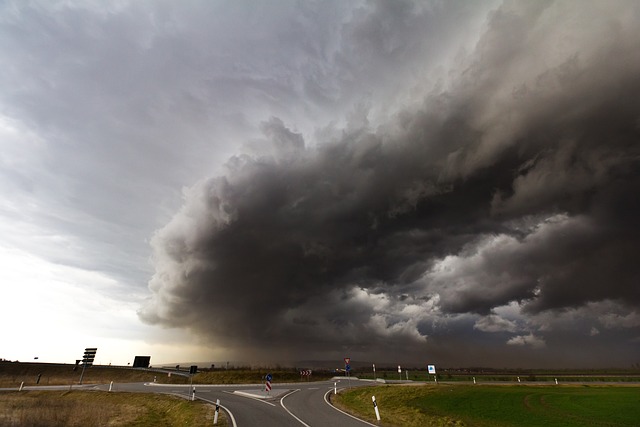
{"type": "Point", "coordinates": [90, 408]}
{"type": "Point", "coordinates": [12, 374]}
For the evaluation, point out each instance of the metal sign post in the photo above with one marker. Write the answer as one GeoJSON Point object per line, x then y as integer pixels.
{"type": "Point", "coordinates": [347, 369]}
{"type": "Point", "coordinates": [87, 359]}
{"type": "Point", "coordinates": [432, 371]}
{"type": "Point", "coordinates": [267, 385]}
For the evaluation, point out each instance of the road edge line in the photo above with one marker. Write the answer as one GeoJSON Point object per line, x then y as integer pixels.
{"type": "Point", "coordinates": [340, 410]}
{"type": "Point", "coordinates": [291, 413]}
{"type": "Point", "coordinates": [233, 419]}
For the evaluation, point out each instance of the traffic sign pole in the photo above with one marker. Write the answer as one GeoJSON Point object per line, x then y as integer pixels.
{"type": "Point", "coordinates": [87, 359]}
{"type": "Point", "coordinates": [347, 368]}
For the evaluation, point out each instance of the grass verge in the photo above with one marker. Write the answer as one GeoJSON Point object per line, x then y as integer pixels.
{"type": "Point", "coordinates": [496, 406]}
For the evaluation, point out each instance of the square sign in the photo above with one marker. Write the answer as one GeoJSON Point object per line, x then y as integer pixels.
{"type": "Point", "coordinates": [431, 369]}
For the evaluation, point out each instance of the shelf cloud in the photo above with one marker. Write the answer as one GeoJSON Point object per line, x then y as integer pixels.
{"type": "Point", "coordinates": [501, 202]}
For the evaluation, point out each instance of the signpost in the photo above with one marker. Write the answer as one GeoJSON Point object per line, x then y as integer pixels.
{"type": "Point", "coordinates": [347, 369]}
{"type": "Point", "coordinates": [87, 359]}
{"type": "Point", "coordinates": [306, 373]}
{"type": "Point", "coordinates": [267, 385]}
{"type": "Point", "coordinates": [432, 371]}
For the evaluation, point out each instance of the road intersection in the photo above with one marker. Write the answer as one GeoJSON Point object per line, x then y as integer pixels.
{"type": "Point", "coordinates": [292, 404]}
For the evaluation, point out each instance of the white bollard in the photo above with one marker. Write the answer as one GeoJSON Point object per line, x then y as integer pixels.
{"type": "Point", "coordinates": [215, 416]}
{"type": "Point", "coordinates": [111, 386]}
{"type": "Point", "coordinates": [474, 380]}
{"type": "Point", "coordinates": [21, 385]}
{"type": "Point", "coordinates": [193, 394]}
{"type": "Point", "coordinates": [556, 381]}
{"type": "Point", "coordinates": [335, 388]}
{"type": "Point", "coordinates": [518, 379]}
{"type": "Point", "coordinates": [375, 406]}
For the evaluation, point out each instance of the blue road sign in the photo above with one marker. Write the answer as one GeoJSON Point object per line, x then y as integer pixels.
{"type": "Point", "coordinates": [347, 368]}
{"type": "Point", "coordinates": [269, 377]}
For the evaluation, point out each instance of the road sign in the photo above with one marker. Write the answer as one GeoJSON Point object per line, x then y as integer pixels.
{"type": "Point", "coordinates": [306, 372]}
{"type": "Point", "coordinates": [193, 369]}
{"type": "Point", "coordinates": [347, 360]}
{"type": "Point", "coordinates": [269, 377]}
{"type": "Point", "coordinates": [89, 356]}
{"type": "Point", "coordinates": [347, 368]}
{"type": "Point", "coordinates": [87, 359]}
{"type": "Point", "coordinates": [399, 369]}
{"type": "Point", "coordinates": [431, 369]}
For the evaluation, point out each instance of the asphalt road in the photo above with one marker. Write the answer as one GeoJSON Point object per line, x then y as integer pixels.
{"type": "Point", "coordinates": [294, 404]}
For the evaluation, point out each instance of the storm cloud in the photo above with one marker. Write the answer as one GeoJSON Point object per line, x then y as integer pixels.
{"type": "Point", "coordinates": [500, 203]}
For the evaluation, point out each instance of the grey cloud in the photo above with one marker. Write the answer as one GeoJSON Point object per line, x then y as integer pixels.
{"type": "Point", "coordinates": [513, 184]}
{"type": "Point", "coordinates": [495, 323]}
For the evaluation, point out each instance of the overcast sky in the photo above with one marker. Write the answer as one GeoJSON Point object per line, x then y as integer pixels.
{"type": "Point", "coordinates": [447, 182]}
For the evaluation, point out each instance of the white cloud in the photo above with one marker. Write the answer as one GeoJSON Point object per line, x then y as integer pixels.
{"type": "Point", "coordinates": [528, 340]}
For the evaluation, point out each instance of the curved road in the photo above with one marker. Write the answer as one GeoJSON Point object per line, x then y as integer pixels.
{"type": "Point", "coordinates": [295, 404]}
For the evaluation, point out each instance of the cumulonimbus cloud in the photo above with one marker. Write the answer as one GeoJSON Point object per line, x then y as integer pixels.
{"type": "Point", "coordinates": [516, 182]}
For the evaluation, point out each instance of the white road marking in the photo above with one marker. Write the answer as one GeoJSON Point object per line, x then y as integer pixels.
{"type": "Point", "coordinates": [339, 410]}
{"type": "Point", "coordinates": [291, 413]}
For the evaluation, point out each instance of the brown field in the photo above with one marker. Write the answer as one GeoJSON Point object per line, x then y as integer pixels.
{"type": "Point", "coordinates": [12, 374]}
{"type": "Point", "coordinates": [92, 408]}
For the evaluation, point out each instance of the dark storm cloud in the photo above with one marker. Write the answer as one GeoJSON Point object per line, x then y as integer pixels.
{"type": "Point", "coordinates": [509, 196]}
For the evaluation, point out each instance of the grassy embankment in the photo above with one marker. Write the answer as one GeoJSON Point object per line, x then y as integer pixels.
{"type": "Point", "coordinates": [90, 408]}
{"type": "Point", "coordinates": [526, 376]}
{"type": "Point", "coordinates": [13, 374]}
{"type": "Point", "coordinates": [496, 406]}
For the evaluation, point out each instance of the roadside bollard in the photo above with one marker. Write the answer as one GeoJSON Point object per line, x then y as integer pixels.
{"type": "Point", "coordinates": [474, 380]}
{"type": "Point", "coordinates": [335, 388]}
{"type": "Point", "coordinates": [193, 394]}
{"type": "Point", "coordinates": [215, 416]}
{"type": "Point", "coordinates": [21, 385]}
{"type": "Point", "coordinates": [111, 386]}
{"type": "Point", "coordinates": [375, 406]}
{"type": "Point", "coordinates": [556, 381]}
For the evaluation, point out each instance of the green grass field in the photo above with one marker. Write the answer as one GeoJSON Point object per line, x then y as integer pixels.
{"type": "Point", "coordinates": [497, 406]}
